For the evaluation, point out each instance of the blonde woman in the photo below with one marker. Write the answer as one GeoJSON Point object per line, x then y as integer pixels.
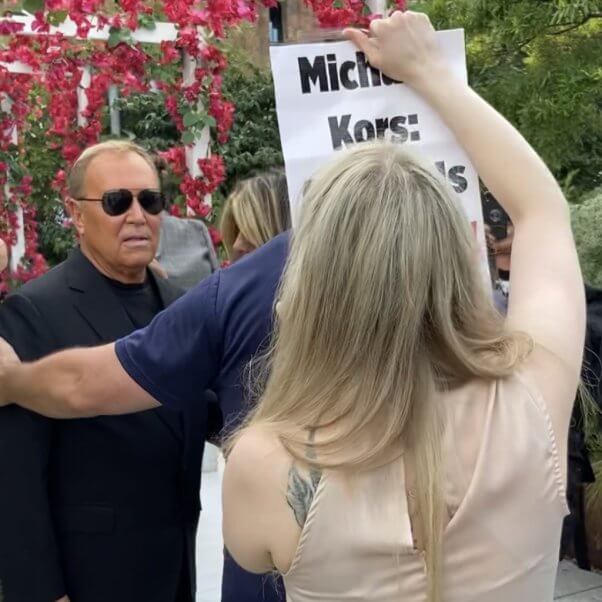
{"type": "Point", "coordinates": [409, 444]}
{"type": "Point", "coordinates": [4, 259]}
{"type": "Point", "coordinates": [256, 211]}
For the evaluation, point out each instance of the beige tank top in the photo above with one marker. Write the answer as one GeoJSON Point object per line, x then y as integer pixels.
{"type": "Point", "coordinates": [505, 495]}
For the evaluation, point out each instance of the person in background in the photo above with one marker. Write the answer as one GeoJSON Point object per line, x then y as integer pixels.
{"type": "Point", "coordinates": [4, 260]}
{"type": "Point", "coordinates": [500, 251]}
{"type": "Point", "coordinates": [411, 443]}
{"type": "Point", "coordinates": [106, 508]}
{"type": "Point", "coordinates": [580, 471]}
{"type": "Point", "coordinates": [3, 255]}
{"type": "Point", "coordinates": [255, 211]}
{"type": "Point", "coordinates": [185, 254]}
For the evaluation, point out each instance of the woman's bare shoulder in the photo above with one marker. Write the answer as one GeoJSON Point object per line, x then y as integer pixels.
{"type": "Point", "coordinates": [252, 501]}
{"type": "Point", "coordinates": [264, 496]}
{"type": "Point", "coordinates": [257, 455]}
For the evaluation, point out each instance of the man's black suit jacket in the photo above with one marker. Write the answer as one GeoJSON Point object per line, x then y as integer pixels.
{"type": "Point", "coordinates": [102, 509]}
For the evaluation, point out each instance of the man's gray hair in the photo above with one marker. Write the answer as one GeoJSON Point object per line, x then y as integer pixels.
{"type": "Point", "coordinates": [77, 173]}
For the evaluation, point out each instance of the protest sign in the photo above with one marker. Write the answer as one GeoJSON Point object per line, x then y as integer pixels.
{"type": "Point", "coordinates": [329, 98]}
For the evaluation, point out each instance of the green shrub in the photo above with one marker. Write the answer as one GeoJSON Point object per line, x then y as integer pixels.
{"type": "Point", "coordinates": [254, 142]}
{"type": "Point", "coordinates": [586, 218]}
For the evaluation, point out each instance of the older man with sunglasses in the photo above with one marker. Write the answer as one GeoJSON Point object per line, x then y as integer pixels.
{"type": "Point", "coordinates": [106, 508]}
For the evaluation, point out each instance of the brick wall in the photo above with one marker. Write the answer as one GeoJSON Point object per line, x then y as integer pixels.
{"type": "Point", "coordinates": [254, 40]}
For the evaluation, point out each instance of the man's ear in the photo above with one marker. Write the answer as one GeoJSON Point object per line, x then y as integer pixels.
{"type": "Point", "coordinates": [74, 211]}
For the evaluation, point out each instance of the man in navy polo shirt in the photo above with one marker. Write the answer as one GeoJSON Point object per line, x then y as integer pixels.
{"type": "Point", "coordinates": [202, 341]}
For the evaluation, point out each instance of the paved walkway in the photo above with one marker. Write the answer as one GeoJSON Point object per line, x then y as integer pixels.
{"type": "Point", "coordinates": [209, 544]}
{"type": "Point", "coordinates": [573, 585]}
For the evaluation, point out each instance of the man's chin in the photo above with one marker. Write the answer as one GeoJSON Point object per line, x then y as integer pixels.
{"type": "Point", "coordinates": [136, 258]}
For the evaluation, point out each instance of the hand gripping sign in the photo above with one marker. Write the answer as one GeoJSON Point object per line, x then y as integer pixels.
{"type": "Point", "coordinates": [329, 98]}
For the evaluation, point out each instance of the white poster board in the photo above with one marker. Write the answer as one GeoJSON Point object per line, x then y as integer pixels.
{"type": "Point", "coordinates": [328, 98]}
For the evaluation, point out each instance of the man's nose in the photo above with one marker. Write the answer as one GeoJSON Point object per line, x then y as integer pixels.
{"type": "Point", "coordinates": [135, 213]}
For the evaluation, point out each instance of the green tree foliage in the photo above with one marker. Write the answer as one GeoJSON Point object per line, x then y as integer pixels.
{"type": "Point", "coordinates": [586, 218]}
{"type": "Point", "coordinates": [254, 142]}
{"type": "Point", "coordinates": [540, 64]}
{"type": "Point", "coordinates": [145, 120]}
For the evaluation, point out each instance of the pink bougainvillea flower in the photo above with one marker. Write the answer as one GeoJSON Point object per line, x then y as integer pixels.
{"type": "Point", "coordinates": [216, 237]}
{"type": "Point", "coordinates": [175, 210]}
{"type": "Point", "coordinates": [169, 53]}
{"type": "Point", "coordinates": [8, 28]}
{"type": "Point", "coordinates": [39, 23]}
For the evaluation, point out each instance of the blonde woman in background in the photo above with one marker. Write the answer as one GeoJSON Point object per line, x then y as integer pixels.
{"type": "Point", "coordinates": [256, 211]}
{"type": "Point", "coordinates": [3, 255]}
{"type": "Point", "coordinates": [4, 261]}
{"type": "Point", "coordinates": [410, 444]}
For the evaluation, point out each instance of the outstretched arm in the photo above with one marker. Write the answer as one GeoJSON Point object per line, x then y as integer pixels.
{"type": "Point", "coordinates": [71, 384]}
{"type": "Point", "coordinates": [172, 361]}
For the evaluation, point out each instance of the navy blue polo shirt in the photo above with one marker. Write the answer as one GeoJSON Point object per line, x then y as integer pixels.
{"type": "Point", "coordinates": [205, 341]}
{"type": "Point", "coordinates": [206, 338]}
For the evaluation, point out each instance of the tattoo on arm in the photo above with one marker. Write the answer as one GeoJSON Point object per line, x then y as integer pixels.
{"type": "Point", "coordinates": [301, 488]}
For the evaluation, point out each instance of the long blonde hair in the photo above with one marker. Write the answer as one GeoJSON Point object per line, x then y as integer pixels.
{"type": "Point", "coordinates": [382, 307]}
{"type": "Point", "coordinates": [257, 208]}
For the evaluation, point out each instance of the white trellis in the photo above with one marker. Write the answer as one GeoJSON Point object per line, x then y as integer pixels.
{"type": "Point", "coordinates": [162, 32]}
{"type": "Point", "coordinates": [18, 249]}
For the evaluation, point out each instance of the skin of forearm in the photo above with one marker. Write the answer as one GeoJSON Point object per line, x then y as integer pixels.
{"type": "Point", "coordinates": [49, 386]}
{"type": "Point", "coordinates": [512, 171]}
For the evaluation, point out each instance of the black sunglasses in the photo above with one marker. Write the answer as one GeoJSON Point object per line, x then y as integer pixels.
{"type": "Point", "coordinates": [117, 202]}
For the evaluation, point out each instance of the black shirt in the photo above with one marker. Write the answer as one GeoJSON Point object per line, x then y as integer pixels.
{"type": "Point", "coordinates": [140, 301]}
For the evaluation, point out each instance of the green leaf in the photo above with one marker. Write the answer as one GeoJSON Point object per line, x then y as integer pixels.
{"type": "Point", "coordinates": [119, 35]}
{"type": "Point", "coordinates": [114, 37]}
{"type": "Point", "coordinates": [420, 9]}
{"type": "Point", "coordinates": [188, 138]}
{"type": "Point", "coordinates": [192, 118]}
{"type": "Point", "coordinates": [56, 17]}
{"type": "Point", "coordinates": [33, 6]}
{"type": "Point", "coordinates": [209, 121]}
{"type": "Point", "coordinates": [146, 21]}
